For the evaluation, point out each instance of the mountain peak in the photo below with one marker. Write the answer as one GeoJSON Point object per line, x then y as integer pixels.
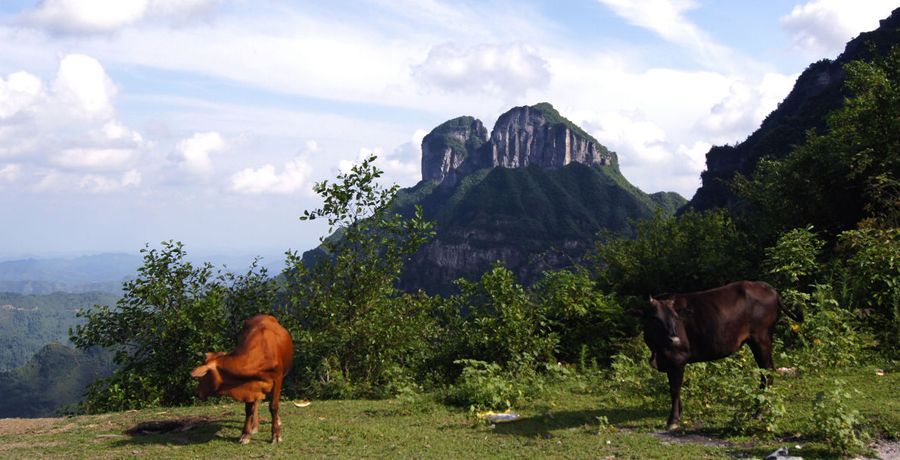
{"type": "Point", "coordinates": [523, 136]}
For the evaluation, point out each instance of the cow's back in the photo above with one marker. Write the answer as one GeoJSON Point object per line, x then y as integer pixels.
{"type": "Point", "coordinates": [264, 339]}
{"type": "Point", "coordinates": [721, 319]}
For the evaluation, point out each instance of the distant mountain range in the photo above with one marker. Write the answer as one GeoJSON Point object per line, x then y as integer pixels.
{"type": "Point", "coordinates": [96, 273]}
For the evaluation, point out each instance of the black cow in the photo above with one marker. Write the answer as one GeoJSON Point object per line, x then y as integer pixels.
{"type": "Point", "coordinates": [709, 325]}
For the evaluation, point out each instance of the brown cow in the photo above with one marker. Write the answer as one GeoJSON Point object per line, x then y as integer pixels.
{"type": "Point", "coordinates": [709, 325]}
{"type": "Point", "coordinates": [254, 369]}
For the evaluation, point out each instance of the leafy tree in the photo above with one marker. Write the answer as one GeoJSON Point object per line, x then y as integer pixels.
{"type": "Point", "coordinates": [690, 252]}
{"type": "Point", "coordinates": [167, 317]}
{"type": "Point", "coordinates": [353, 327]}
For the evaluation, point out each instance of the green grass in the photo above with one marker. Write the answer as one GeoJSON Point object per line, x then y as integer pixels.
{"type": "Point", "coordinates": [562, 423]}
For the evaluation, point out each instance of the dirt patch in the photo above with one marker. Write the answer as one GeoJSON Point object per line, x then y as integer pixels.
{"type": "Point", "coordinates": [178, 425]}
{"type": "Point", "coordinates": [680, 437]}
{"type": "Point", "coordinates": [14, 426]}
{"type": "Point", "coordinates": [886, 450]}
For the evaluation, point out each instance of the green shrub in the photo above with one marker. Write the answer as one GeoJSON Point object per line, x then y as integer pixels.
{"type": "Point", "coordinates": [871, 277]}
{"type": "Point", "coordinates": [631, 374]}
{"type": "Point", "coordinates": [829, 335]}
{"type": "Point", "coordinates": [837, 424]}
{"type": "Point", "coordinates": [587, 322]}
{"type": "Point", "coordinates": [484, 385]}
{"type": "Point", "coordinates": [502, 325]}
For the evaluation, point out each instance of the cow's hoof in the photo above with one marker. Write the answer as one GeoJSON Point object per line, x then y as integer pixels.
{"type": "Point", "coordinates": [276, 439]}
{"type": "Point", "coordinates": [245, 439]}
{"type": "Point", "coordinates": [254, 430]}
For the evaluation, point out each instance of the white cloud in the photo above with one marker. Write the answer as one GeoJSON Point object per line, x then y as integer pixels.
{"type": "Point", "coordinates": [60, 181]}
{"type": "Point", "coordinates": [84, 87]}
{"type": "Point", "coordinates": [195, 152]}
{"type": "Point", "coordinates": [667, 19]}
{"type": "Point", "coordinates": [293, 177]}
{"type": "Point", "coordinates": [104, 16]}
{"type": "Point", "coordinates": [19, 92]}
{"type": "Point", "coordinates": [67, 137]}
{"type": "Point", "coordinates": [647, 157]}
{"type": "Point", "coordinates": [10, 173]}
{"type": "Point", "coordinates": [131, 177]}
{"type": "Point", "coordinates": [822, 27]}
{"type": "Point", "coordinates": [114, 130]}
{"type": "Point", "coordinates": [92, 159]}
{"type": "Point", "coordinates": [402, 165]}
{"type": "Point", "coordinates": [745, 107]}
{"type": "Point", "coordinates": [487, 68]}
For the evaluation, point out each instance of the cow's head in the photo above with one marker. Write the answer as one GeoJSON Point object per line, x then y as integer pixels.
{"type": "Point", "coordinates": [662, 328]}
{"type": "Point", "coordinates": [209, 376]}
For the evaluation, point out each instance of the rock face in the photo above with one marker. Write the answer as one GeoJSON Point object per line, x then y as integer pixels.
{"type": "Point", "coordinates": [818, 91]}
{"type": "Point", "coordinates": [528, 135]}
{"type": "Point", "coordinates": [446, 147]}
{"type": "Point", "coordinates": [539, 135]}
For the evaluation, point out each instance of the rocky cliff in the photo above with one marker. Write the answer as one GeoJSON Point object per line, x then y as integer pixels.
{"type": "Point", "coordinates": [528, 135]}
{"type": "Point", "coordinates": [447, 147]}
{"type": "Point", "coordinates": [818, 91]}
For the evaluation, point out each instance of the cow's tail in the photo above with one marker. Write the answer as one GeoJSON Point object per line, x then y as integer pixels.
{"type": "Point", "coordinates": [794, 315]}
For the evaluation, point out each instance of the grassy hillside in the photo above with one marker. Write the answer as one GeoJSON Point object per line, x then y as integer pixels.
{"type": "Point", "coordinates": [28, 322]}
{"type": "Point", "coordinates": [569, 420]}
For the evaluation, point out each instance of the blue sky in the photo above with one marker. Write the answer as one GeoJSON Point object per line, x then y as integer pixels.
{"type": "Point", "coordinates": [125, 122]}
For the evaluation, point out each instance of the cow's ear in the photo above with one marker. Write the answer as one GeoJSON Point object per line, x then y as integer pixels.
{"type": "Point", "coordinates": [199, 371]}
{"type": "Point", "coordinates": [213, 355]}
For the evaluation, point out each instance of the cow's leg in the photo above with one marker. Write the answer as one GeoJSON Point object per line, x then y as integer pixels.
{"type": "Point", "coordinates": [250, 409]}
{"type": "Point", "coordinates": [762, 353]}
{"type": "Point", "coordinates": [255, 428]}
{"type": "Point", "coordinates": [676, 376]}
{"type": "Point", "coordinates": [273, 408]}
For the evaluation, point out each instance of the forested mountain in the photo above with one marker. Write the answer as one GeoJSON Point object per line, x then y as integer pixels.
{"type": "Point", "coordinates": [28, 322]}
{"type": "Point", "coordinates": [533, 195]}
{"type": "Point", "coordinates": [818, 91]}
{"type": "Point", "coordinates": [51, 380]}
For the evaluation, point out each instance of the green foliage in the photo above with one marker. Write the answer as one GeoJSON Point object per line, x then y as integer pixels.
{"type": "Point", "coordinates": [587, 322]}
{"type": "Point", "coordinates": [168, 316]}
{"type": "Point", "coordinates": [734, 383]}
{"type": "Point", "coordinates": [351, 326]}
{"type": "Point", "coordinates": [502, 324]}
{"type": "Point", "coordinates": [829, 335]}
{"type": "Point", "coordinates": [792, 265]}
{"type": "Point", "coordinates": [690, 252]}
{"type": "Point", "coordinates": [484, 385]}
{"type": "Point", "coordinates": [631, 375]}
{"type": "Point", "coordinates": [871, 277]}
{"type": "Point", "coordinates": [839, 425]}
